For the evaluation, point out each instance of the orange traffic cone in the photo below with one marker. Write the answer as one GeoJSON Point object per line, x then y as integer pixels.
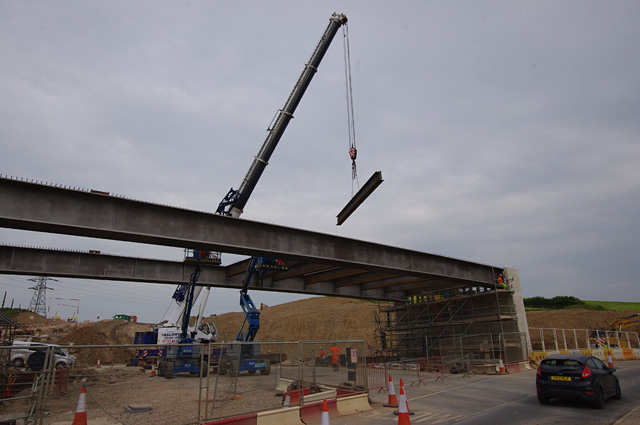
{"type": "Point", "coordinates": [393, 400]}
{"type": "Point", "coordinates": [98, 365]}
{"type": "Point", "coordinates": [153, 369]}
{"type": "Point", "coordinates": [610, 362]}
{"type": "Point", "coordinates": [397, 412]}
{"type": "Point", "coordinates": [325, 413]}
{"type": "Point", "coordinates": [81, 411]}
{"type": "Point", "coordinates": [503, 371]}
{"type": "Point", "coordinates": [403, 412]}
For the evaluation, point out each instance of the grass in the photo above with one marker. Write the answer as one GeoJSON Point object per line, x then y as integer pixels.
{"type": "Point", "coordinates": [615, 305]}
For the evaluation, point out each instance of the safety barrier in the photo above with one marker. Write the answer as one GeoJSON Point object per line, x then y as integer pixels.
{"type": "Point", "coordinates": [376, 375]}
{"type": "Point", "coordinates": [617, 354]}
{"type": "Point", "coordinates": [430, 368]}
{"type": "Point", "coordinates": [407, 370]}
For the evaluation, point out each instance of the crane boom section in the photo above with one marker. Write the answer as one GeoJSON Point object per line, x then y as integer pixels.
{"type": "Point", "coordinates": [235, 201]}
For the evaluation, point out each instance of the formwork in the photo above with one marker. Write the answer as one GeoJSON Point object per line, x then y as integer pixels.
{"type": "Point", "coordinates": [458, 321]}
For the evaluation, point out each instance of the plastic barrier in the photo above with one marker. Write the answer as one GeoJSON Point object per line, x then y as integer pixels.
{"type": "Point", "coordinates": [617, 354]}
{"type": "Point", "coordinates": [353, 404]}
{"type": "Point", "coordinates": [286, 416]}
{"type": "Point", "coordinates": [536, 356]}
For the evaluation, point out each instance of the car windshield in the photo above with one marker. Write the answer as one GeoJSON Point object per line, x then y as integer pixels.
{"type": "Point", "coordinates": [561, 362]}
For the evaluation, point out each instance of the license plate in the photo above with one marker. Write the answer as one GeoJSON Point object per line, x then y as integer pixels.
{"type": "Point", "coordinates": [561, 378]}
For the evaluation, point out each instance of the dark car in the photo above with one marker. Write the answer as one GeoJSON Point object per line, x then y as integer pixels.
{"type": "Point", "coordinates": [576, 376]}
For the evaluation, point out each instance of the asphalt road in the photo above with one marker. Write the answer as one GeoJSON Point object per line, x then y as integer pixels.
{"type": "Point", "coordinates": [503, 399]}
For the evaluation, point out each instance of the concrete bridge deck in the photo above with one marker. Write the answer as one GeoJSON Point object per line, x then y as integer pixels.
{"type": "Point", "coordinates": [319, 263]}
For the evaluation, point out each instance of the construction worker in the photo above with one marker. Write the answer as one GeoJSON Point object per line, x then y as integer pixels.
{"type": "Point", "coordinates": [322, 357]}
{"type": "Point", "coordinates": [501, 284]}
{"type": "Point", "coordinates": [335, 354]}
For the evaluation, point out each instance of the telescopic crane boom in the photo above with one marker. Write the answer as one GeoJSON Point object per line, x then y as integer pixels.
{"type": "Point", "coordinates": [235, 201]}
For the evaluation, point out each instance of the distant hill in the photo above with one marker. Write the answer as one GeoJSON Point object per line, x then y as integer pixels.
{"type": "Point", "coordinates": [615, 305]}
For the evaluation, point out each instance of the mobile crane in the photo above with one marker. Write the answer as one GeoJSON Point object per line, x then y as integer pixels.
{"type": "Point", "coordinates": [246, 355]}
{"type": "Point", "coordinates": [183, 358]}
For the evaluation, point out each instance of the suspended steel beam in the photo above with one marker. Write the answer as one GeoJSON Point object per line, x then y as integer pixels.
{"type": "Point", "coordinates": [374, 181]}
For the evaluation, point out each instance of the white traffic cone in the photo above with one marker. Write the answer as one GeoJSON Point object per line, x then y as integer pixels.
{"type": "Point", "coordinates": [80, 417]}
{"type": "Point", "coordinates": [406, 403]}
{"type": "Point", "coordinates": [610, 362]}
{"type": "Point", "coordinates": [325, 413]}
{"type": "Point", "coordinates": [393, 400]}
{"type": "Point", "coordinates": [403, 412]}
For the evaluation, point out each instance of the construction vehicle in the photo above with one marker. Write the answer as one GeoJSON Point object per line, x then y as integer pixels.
{"type": "Point", "coordinates": [614, 336]}
{"type": "Point", "coordinates": [626, 322]}
{"type": "Point", "coordinates": [176, 330]}
{"type": "Point", "coordinates": [175, 333]}
{"type": "Point", "coordinates": [242, 354]}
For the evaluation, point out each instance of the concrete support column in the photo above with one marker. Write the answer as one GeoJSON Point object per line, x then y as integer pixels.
{"type": "Point", "coordinates": [512, 277]}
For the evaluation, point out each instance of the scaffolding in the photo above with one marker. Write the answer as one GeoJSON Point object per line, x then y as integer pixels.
{"type": "Point", "coordinates": [457, 320]}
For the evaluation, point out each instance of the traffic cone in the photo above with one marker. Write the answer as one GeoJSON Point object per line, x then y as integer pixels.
{"type": "Point", "coordinates": [610, 362]}
{"type": "Point", "coordinates": [98, 365]}
{"type": "Point", "coordinates": [406, 403]}
{"type": "Point", "coordinates": [325, 413]}
{"type": "Point", "coordinates": [80, 417]}
{"type": "Point", "coordinates": [503, 371]}
{"type": "Point", "coordinates": [153, 369]}
{"type": "Point", "coordinates": [393, 400]}
{"type": "Point", "coordinates": [403, 412]}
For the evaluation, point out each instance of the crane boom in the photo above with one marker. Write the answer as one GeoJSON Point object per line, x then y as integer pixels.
{"type": "Point", "coordinates": [234, 202]}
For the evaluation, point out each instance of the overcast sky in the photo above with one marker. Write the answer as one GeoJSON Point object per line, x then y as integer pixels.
{"type": "Point", "coordinates": [507, 132]}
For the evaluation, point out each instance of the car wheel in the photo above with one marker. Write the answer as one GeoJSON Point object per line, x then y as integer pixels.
{"type": "Point", "coordinates": [162, 368]}
{"type": "Point", "coordinates": [17, 362]}
{"type": "Point", "coordinates": [618, 395]}
{"type": "Point", "coordinates": [266, 370]}
{"type": "Point", "coordinates": [542, 399]}
{"type": "Point", "coordinates": [60, 365]}
{"type": "Point", "coordinates": [599, 403]}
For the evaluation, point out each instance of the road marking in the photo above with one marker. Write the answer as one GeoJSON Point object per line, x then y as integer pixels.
{"type": "Point", "coordinates": [451, 389]}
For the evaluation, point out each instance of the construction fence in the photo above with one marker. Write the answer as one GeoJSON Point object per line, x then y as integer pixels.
{"type": "Point", "coordinates": [599, 343]}
{"type": "Point", "coordinates": [128, 382]}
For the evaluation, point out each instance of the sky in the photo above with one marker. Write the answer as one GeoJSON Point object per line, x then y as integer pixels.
{"type": "Point", "coordinates": [507, 132]}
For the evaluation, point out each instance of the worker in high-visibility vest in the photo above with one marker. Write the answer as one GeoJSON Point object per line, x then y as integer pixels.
{"type": "Point", "coordinates": [322, 357]}
{"type": "Point", "coordinates": [335, 354]}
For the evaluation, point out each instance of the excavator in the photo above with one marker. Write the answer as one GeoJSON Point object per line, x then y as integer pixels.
{"type": "Point", "coordinates": [182, 356]}
{"type": "Point", "coordinates": [612, 338]}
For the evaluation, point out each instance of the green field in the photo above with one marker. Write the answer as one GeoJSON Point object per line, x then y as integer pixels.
{"type": "Point", "coordinates": [615, 306]}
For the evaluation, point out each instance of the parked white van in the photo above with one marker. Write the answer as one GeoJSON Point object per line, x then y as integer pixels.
{"type": "Point", "coordinates": [25, 349]}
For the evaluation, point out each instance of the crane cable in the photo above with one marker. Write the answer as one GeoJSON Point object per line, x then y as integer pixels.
{"type": "Point", "coordinates": [353, 152]}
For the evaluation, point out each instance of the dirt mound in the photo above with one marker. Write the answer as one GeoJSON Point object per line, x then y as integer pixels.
{"type": "Point", "coordinates": [29, 318]}
{"type": "Point", "coordinates": [577, 319]}
{"type": "Point", "coordinates": [105, 332]}
{"type": "Point", "coordinates": [314, 319]}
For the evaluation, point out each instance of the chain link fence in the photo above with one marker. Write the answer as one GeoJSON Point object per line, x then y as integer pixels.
{"type": "Point", "coordinates": [178, 384]}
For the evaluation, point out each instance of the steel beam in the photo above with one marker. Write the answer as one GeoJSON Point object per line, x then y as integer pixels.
{"type": "Point", "coordinates": [83, 265]}
{"type": "Point", "coordinates": [367, 189]}
{"type": "Point", "coordinates": [43, 208]}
